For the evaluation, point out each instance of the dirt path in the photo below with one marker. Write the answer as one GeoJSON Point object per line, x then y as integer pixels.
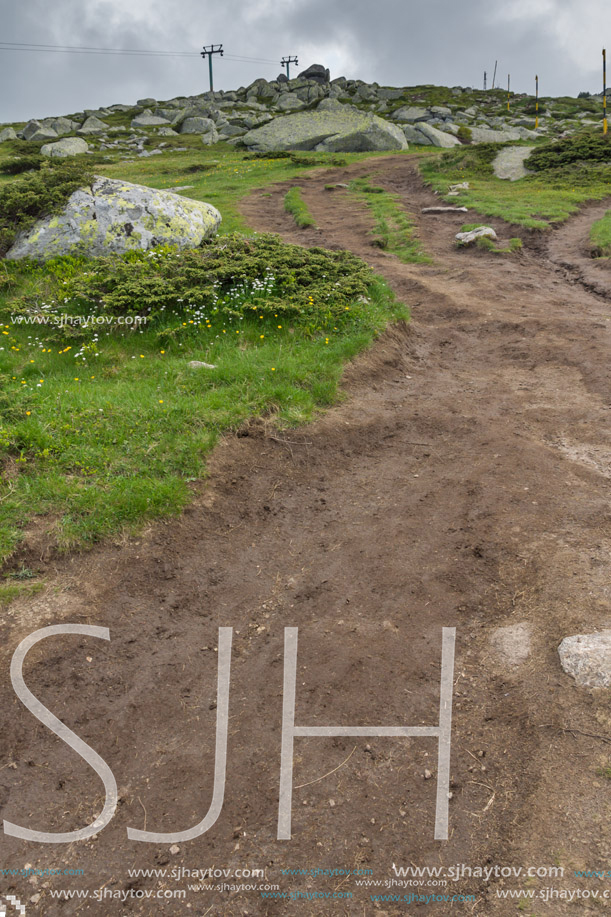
{"type": "Point", "coordinates": [463, 482]}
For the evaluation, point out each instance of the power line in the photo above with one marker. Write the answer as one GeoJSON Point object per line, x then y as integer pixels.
{"type": "Point", "coordinates": [85, 49]}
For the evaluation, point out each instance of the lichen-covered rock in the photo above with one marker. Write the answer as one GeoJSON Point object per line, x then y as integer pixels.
{"type": "Point", "coordinates": [315, 72]}
{"type": "Point", "coordinates": [412, 135]}
{"type": "Point", "coordinates": [587, 657]}
{"type": "Point", "coordinates": [115, 217]}
{"type": "Point", "coordinates": [345, 131]}
{"type": "Point", "coordinates": [70, 146]}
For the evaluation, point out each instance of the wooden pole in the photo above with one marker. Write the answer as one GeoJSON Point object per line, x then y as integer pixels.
{"type": "Point", "coordinates": [536, 102]}
{"type": "Point", "coordinates": [605, 127]}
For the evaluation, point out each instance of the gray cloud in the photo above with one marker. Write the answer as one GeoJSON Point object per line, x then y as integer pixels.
{"type": "Point", "coordinates": [396, 42]}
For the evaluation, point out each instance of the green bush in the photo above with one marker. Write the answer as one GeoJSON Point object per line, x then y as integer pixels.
{"type": "Point", "coordinates": [228, 279]}
{"type": "Point", "coordinates": [465, 134]}
{"type": "Point", "coordinates": [22, 164]}
{"type": "Point", "coordinates": [26, 200]}
{"type": "Point", "coordinates": [582, 147]}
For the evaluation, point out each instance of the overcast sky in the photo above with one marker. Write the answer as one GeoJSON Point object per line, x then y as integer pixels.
{"type": "Point", "coordinates": [395, 42]}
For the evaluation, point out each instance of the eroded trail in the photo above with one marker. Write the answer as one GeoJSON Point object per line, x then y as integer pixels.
{"type": "Point", "coordinates": [463, 483]}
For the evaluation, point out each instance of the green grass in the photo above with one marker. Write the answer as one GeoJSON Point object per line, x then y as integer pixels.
{"type": "Point", "coordinates": [394, 230]}
{"type": "Point", "coordinates": [604, 772]}
{"type": "Point", "coordinates": [297, 207]}
{"type": "Point", "coordinates": [100, 431]}
{"type": "Point", "coordinates": [535, 202]}
{"type": "Point", "coordinates": [600, 237]}
{"type": "Point", "coordinates": [11, 591]}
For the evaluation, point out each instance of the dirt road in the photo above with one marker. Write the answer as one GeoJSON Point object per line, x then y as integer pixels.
{"type": "Point", "coordinates": [461, 483]}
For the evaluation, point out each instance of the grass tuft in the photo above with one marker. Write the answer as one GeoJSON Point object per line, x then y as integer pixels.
{"type": "Point", "coordinates": [297, 207]}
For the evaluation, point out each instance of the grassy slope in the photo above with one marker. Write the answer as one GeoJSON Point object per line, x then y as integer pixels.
{"type": "Point", "coordinates": [102, 442]}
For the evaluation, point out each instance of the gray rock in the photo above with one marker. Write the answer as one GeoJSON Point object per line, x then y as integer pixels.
{"type": "Point", "coordinates": [437, 137]}
{"type": "Point", "coordinates": [282, 78]}
{"type": "Point", "coordinates": [310, 93]}
{"type": "Point", "coordinates": [441, 111]}
{"type": "Point", "coordinates": [30, 129]}
{"type": "Point", "coordinates": [198, 126]}
{"type": "Point", "coordinates": [587, 657]}
{"type": "Point", "coordinates": [92, 125]}
{"type": "Point", "coordinates": [227, 131]}
{"type": "Point", "coordinates": [115, 216]}
{"type": "Point", "coordinates": [290, 102]}
{"type": "Point", "coordinates": [391, 94]}
{"type": "Point", "coordinates": [146, 118]}
{"type": "Point", "coordinates": [7, 134]}
{"type": "Point", "coordinates": [481, 135]}
{"type": "Point", "coordinates": [146, 103]}
{"type": "Point", "coordinates": [70, 146]}
{"type": "Point", "coordinates": [330, 105]}
{"type": "Point", "coordinates": [408, 113]}
{"type": "Point", "coordinates": [346, 131]}
{"type": "Point", "coordinates": [167, 132]}
{"type": "Point", "coordinates": [61, 126]}
{"type": "Point", "coordinates": [44, 133]}
{"type": "Point", "coordinates": [509, 162]}
{"type": "Point", "coordinates": [120, 108]}
{"type": "Point", "coordinates": [412, 135]}
{"type": "Point", "coordinates": [482, 232]}
{"type": "Point", "coordinates": [199, 364]}
{"type": "Point", "coordinates": [315, 72]}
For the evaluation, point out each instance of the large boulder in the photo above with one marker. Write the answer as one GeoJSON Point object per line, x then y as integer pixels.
{"type": "Point", "coordinates": [411, 114]}
{"type": "Point", "coordinates": [7, 134]}
{"type": "Point", "coordinates": [315, 72]}
{"type": "Point", "coordinates": [114, 216]}
{"type": "Point", "coordinates": [437, 137]}
{"type": "Point", "coordinates": [290, 102]}
{"type": "Point", "coordinates": [146, 118]}
{"type": "Point", "coordinates": [92, 125]}
{"type": "Point", "coordinates": [483, 135]}
{"type": "Point", "coordinates": [70, 146]}
{"type": "Point", "coordinates": [345, 131]}
{"type": "Point", "coordinates": [198, 126]}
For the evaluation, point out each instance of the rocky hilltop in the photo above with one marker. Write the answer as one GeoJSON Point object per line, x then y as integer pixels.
{"type": "Point", "coordinates": [342, 114]}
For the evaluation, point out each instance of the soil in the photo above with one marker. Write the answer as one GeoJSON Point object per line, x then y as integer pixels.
{"type": "Point", "coordinates": [462, 481]}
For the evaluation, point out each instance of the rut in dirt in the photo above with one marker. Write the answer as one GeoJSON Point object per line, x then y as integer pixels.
{"type": "Point", "coordinates": [462, 482]}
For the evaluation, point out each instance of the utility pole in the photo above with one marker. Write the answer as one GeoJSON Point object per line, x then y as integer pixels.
{"type": "Point", "coordinates": [494, 77]}
{"type": "Point", "coordinates": [605, 127]}
{"type": "Point", "coordinates": [536, 102]}
{"type": "Point", "coordinates": [508, 90]}
{"type": "Point", "coordinates": [286, 62]}
{"type": "Point", "coordinates": [485, 80]}
{"type": "Point", "coordinates": [209, 51]}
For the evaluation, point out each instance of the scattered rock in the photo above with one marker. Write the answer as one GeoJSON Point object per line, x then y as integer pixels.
{"type": "Point", "coordinates": [174, 850]}
{"type": "Point", "coordinates": [70, 146]}
{"type": "Point", "coordinates": [407, 113]}
{"type": "Point", "coordinates": [198, 364]}
{"type": "Point", "coordinates": [444, 210]}
{"type": "Point", "coordinates": [482, 232]}
{"type": "Point", "coordinates": [115, 216]}
{"type": "Point", "coordinates": [587, 657]}
{"type": "Point", "coordinates": [198, 126]}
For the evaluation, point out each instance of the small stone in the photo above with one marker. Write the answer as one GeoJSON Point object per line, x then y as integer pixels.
{"type": "Point", "coordinates": [197, 364]}
{"type": "Point", "coordinates": [174, 849]}
{"type": "Point", "coordinates": [587, 657]}
{"type": "Point", "coordinates": [481, 232]}
{"type": "Point", "coordinates": [332, 803]}
{"type": "Point", "coordinates": [35, 898]}
{"type": "Point", "coordinates": [427, 774]}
